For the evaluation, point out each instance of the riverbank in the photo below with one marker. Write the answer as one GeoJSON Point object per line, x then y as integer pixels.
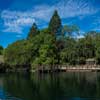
{"type": "Point", "coordinates": [48, 68]}
{"type": "Point", "coordinates": [67, 68]}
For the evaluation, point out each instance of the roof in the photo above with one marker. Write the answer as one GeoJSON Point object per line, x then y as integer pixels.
{"type": "Point", "coordinates": [90, 59]}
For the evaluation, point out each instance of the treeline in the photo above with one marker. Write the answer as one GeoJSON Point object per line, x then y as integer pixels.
{"type": "Point", "coordinates": [2, 66]}
{"type": "Point", "coordinates": [1, 50]}
{"type": "Point", "coordinates": [56, 44]}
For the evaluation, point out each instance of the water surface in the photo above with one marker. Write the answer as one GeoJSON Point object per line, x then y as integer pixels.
{"type": "Point", "coordinates": [63, 86]}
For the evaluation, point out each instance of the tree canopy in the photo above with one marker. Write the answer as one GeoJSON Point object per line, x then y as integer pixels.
{"type": "Point", "coordinates": [1, 50]}
{"type": "Point", "coordinates": [33, 31]}
{"type": "Point", "coordinates": [55, 25]}
{"type": "Point", "coordinates": [53, 45]}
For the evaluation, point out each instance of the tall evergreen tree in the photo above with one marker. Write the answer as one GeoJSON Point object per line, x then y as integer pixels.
{"type": "Point", "coordinates": [55, 25]}
{"type": "Point", "coordinates": [33, 31]}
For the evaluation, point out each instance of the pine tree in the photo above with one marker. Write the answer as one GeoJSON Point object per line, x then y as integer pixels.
{"type": "Point", "coordinates": [55, 25]}
{"type": "Point", "coordinates": [33, 31]}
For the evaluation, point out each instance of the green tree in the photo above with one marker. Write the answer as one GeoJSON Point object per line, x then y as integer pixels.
{"type": "Point", "coordinates": [33, 31]}
{"type": "Point", "coordinates": [70, 30]}
{"type": "Point", "coordinates": [56, 44]}
{"type": "Point", "coordinates": [90, 45]}
{"type": "Point", "coordinates": [1, 50]}
{"type": "Point", "coordinates": [55, 25]}
{"type": "Point", "coordinates": [47, 50]}
{"type": "Point", "coordinates": [17, 54]}
{"type": "Point", "coordinates": [68, 53]}
{"type": "Point", "coordinates": [97, 47]}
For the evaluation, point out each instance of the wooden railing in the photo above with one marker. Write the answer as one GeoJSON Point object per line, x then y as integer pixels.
{"type": "Point", "coordinates": [67, 67]}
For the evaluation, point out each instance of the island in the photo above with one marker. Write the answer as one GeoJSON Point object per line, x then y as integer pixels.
{"type": "Point", "coordinates": [55, 48]}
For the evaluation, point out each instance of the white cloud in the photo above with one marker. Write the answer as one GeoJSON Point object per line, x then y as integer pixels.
{"type": "Point", "coordinates": [66, 8]}
{"type": "Point", "coordinates": [73, 8]}
{"type": "Point", "coordinates": [80, 36]}
{"type": "Point", "coordinates": [13, 29]}
{"type": "Point", "coordinates": [14, 21]}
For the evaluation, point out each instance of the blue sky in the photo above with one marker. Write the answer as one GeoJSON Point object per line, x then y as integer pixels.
{"type": "Point", "coordinates": [17, 16]}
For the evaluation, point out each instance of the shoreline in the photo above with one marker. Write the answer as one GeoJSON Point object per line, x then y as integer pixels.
{"type": "Point", "coordinates": [55, 69]}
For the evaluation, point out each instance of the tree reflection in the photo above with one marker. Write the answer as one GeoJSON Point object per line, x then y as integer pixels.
{"type": "Point", "coordinates": [53, 86]}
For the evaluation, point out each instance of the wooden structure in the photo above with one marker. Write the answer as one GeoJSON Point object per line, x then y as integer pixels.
{"type": "Point", "coordinates": [91, 61]}
{"type": "Point", "coordinates": [65, 68]}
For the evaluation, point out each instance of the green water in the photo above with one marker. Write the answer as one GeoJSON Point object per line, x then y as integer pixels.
{"type": "Point", "coordinates": [63, 86]}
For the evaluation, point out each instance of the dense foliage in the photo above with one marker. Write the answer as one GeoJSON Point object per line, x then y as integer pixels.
{"type": "Point", "coordinates": [56, 44]}
{"type": "Point", "coordinates": [33, 31]}
{"type": "Point", "coordinates": [55, 25]}
{"type": "Point", "coordinates": [1, 50]}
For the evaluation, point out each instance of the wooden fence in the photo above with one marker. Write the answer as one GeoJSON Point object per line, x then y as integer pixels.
{"type": "Point", "coordinates": [48, 68]}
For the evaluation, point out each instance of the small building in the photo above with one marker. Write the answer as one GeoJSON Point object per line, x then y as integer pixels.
{"type": "Point", "coordinates": [91, 61]}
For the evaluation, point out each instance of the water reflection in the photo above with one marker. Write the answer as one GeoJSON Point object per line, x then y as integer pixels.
{"type": "Point", "coordinates": [64, 86]}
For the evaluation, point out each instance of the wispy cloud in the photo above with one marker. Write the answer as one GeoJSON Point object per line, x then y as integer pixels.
{"type": "Point", "coordinates": [73, 8]}
{"type": "Point", "coordinates": [14, 21]}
